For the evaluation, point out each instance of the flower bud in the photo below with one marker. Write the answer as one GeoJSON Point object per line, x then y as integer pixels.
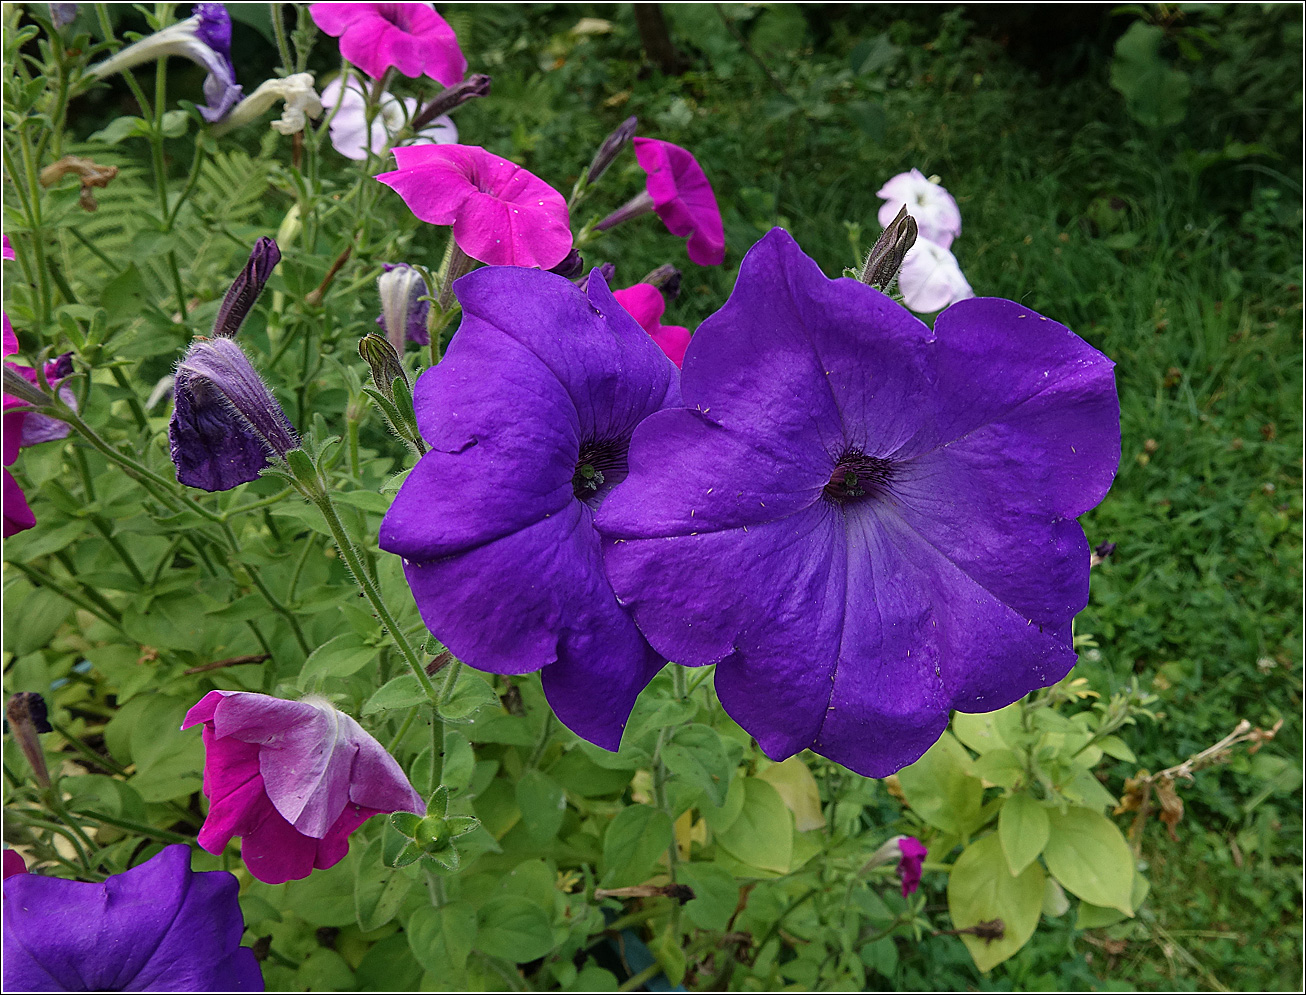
{"type": "Point", "coordinates": [240, 298]}
{"type": "Point", "coordinates": [612, 147]}
{"type": "Point", "coordinates": [384, 362]}
{"type": "Point", "coordinates": [886, 256]}
{"type": "Point", "coordinates": [476, 85]}
{"type": "Point", "coordinates": [667, 279]}
{"type": "Point", "coordinates": [27, 718]}
{"type": "Point", "coordinates": [226, 425]}
{"type": "Point", "coordinates": [403, 312]}
{"type": "Point", "coordinates": [571, 266]}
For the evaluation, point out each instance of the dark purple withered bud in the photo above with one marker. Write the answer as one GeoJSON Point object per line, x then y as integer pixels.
{"type": "Point", "coordinates": [612, 147]}
{"type": "Point", "coordinates": [476, 85]}
{"type": "Point", "coordinates": [608, 270]}
{"type": "Point", "coordinates": [226, 426]}
{"type": "Point", "coordinates": [667, 279]}
{"type": "Point", "coordinates": [248, 285]}
{"type": "Point", "coordinates": [571, 266]}
{"type": "Point", "coordinates": [27, 718]}
{"type": "Point", "coordinates": [1105, 549]}
{"type": "Point", "coordinates": [886, 256]}
{"type": "Point", "coordinates": [403, 312]}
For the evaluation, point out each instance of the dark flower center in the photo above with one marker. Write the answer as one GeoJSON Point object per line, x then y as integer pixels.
{"type": "Point", "coordinates": [395, 14]}
{"type": "Point", "coordinates": [856, 477]}
{"type": "Point", "coordinates": [600, 466]}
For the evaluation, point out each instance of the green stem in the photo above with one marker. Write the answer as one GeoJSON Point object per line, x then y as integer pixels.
{"type": "Point", "coordinates": [133, 402]}
{"type": "Point", "coordinates": [273, 602]}
{"type": "Point", "coordinates": [42, 579]}
{"type": "Point", "coordinates": [266, 502]}
{"type": "Point", "coordinates": [403, 729]}
{"type": "Point", "coordinates": [283, 43]}
{"type": "Point", "coordinates": [140, 828]}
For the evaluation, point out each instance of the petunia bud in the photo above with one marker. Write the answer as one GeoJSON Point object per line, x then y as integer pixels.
{"type": "Point", "coordinates": [263, 259]}
{"type": "Point", "coordinates": [27, 717]}
{"type": "Point", "coordinates": [226, 424]}
{"type": "Point", "coordinates": [612, 147]}
{"type": "Point", "coordinates": [476, 85]}
{"type": "Point", "coordinates": [571, 266]}
{"type": "Point", "coordinates": [403, 312]}
{"type": "Point", "coordinates": [886, 256]}
{"type": "Point", "coordinates": [384, 361]}
{"type": "Point", "coordinates": [667, 279]}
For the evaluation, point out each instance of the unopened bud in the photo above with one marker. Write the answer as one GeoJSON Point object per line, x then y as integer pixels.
{"type": "Point", "coordinates": [667, 279]}
{"type": "Point", "coordinates": [244, 290]}
{"type": "Point", "coordinates": [476, 85]}
{"type": "Point", "coordinates": [571, 266]}
{"type": "Point", "coordinates": [384, 363]}
{"type": "Point", "coordinates": [27, 718]}
{"type": "Point", "coordinates": [403, 312]}
{"type": "Point", "coordinates": [612, 147]}
{"type": "Point", "coordinates": [886, 256]}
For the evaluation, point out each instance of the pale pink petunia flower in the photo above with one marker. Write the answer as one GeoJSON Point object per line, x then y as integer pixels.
{"type": "Point", "coordinates": [501, 213]}
{"type": "Point", "coordinates": [930, 278]}
{"type": "Point", "coordinates": [646, 305]}
{"type": "Point", "coordinates": [348, 125]}
{"type": "Point", "coordinates": [409, 37]}
{"type": "Point", "coordinates": [938, 218]}
{"type": "Point", "coordinates": [293, 778]}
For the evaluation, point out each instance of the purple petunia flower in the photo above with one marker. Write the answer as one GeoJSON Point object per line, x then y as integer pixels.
{"type": "Point", "coordinates": [501, 214]}
{"type": "Point", "coordinates": [157, 927]}
{"type": "Point", "coordinates": [403, 311]}
{"type": "Point", "coordinates": [678, 191]}
{"type": "Point", "coordinates": [409, 37]}
{"type": "Point", "coordinates": [205, 39]}
{"type": "Point", "coordinates": [293, 778]}
{"type": "Point", "coordinates": [862, 521]}
{"type": "Point", "coordinates": [528, 429]}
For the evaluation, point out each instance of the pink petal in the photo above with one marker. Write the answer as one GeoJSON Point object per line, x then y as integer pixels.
{"type": "Point", "coordinates": [645, 304]}
{"type": "Point", "coordinates": [683, 198]}
{"type": "Point", "coordinates": [18, 514]}
{"type": "Point", "coordinates": [673, 340]}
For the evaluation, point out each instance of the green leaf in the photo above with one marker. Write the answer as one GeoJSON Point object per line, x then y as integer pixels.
{"type": "Point", "coordinates": [1023, 830]}
{"type": "Point", "coordinates": [1000, 767]}
{"type": "Point", "coordinates": [1156, 96]}
{"type": "Point", "coordinates": [763, 835]}
{"type": "Point", "coordinates": [634, 840]}
{"type": "Point", "coordinates": [442, 936]}
{"type": "Point", "coordinates": [983, 731]}
{"type": "Point", "coordinates": [339, 657]}
{"type": "Point", "coordinates": [696, 754]}
{"type": "Point", "coordinates": [401, 692]}
{"type": "Point", "coordinates": [671, 955]}
{"type": "Point", "coordinates": [120, 128]}
{"type": "Point", "coordinates": [471, 693]}
{"type": "Point", "coordinates": [367, 500]}
{"type": "Point", "coordinates": [1055, 902]}
{"type": "Point", "coordinates": [716, 895]}
{"type": "Point", "coordinates": [941, 789]}
{"type": "Point", "coordinates": [542, 805]}
{"type": "Point", "coordinates": [174, 124]}
{"type": "Point", "coordinates": [1092, 916]}
{"type": "Point", "coordinates": [378, 894]}
{"type": "Point", "coordinates": [1089, 856]}
{"type": "Point", "coordinates": [798, 790]}
{"type": "Point", "coordinates": [514, 928]}
{"type": "Point", "coordinates": [1114, 746]}
{"type": "Point", "coordinates": [981, 889]}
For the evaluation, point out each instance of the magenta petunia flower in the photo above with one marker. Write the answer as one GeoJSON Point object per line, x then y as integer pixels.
{"type": "Point", "coordinates": [909, 866]}
{"type": "Point", "coordinates": [159, 927]}
{"type": "Point", "coordinates": [646, 305]}
{"type": "Point", "coordinates": [501, 214]}
{"type": "Point", "coordinates": [938, 219]}
{"type": "Point", "coordinates": [528, 429]}
{"type": "Point", "coordinates": [293, 778]}
{"type": "Point", "coordinates": [21, 428]}
{"type": "Point", "coordinates": [409, 37]}
{"type": "Point", "coordinates": [14, 863]}
{"type": "Point", "coordinates": [678, 191]}
{"type": "Point", "coordinates": [861, 521]}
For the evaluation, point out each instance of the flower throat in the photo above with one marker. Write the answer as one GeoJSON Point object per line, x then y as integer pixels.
{"type": "Point", "coordinates": [600, 466]}
{"type": "Point", "coordinates": [857, 477]}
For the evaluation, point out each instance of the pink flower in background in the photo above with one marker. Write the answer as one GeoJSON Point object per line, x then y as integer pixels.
{"type": "Point", "coordinates": [938, 219]}
{"type": "Point", "coordinates": [678, 191]}
{"type": "Point", "coordinates": [8, 249]}
{"type": "Point", "coordinates": [410, 37]}
{"type": "Point", "coordinates": [909, 867]}
{"type": "Point", "coordinates": [27, 428]}
{"type": "Point", "coordinates": [14, 863]}
{"type": "Point", "coordinates": [349, 132]}
{"type": "Point", "coordinates": [646, 305]}
{"type": "Point", "coordinates": [294, 778]}
{"type": "Point", "coordinates": [501, 214]}
{"type": "Point", "coordinates": [930, 278]}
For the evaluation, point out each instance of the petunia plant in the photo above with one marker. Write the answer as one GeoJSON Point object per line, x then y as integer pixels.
{"type": "Point", "coordinates": [415, 610]}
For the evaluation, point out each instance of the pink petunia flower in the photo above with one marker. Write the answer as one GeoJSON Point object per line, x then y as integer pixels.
{"type": "Point", "coordinates": [909, 867]}
{"type": "Point", "coordinates": [293, 778]}
{"type": "Point", "coordinates": [14, 863]}
{"type": "Point", "coordinates": [930, 279]}
{"type": "Point", "coordinates": [501, 214]}
{"type": "Point", "coordinates": [678, 191]}
{"type": "Point", "coordinates": [27, 428]}
{"type": "Point", "coordinates": [938, 218]}
{"type": "Point", "coordinates": [409, 37]}
{"type": "Point", "coordinates": [646, 305]}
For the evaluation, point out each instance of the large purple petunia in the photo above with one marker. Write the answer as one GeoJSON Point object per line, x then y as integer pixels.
{"type": "Point", "coordinates": [529, 418]}
{"type": "Point", "coordinates": [863, 522]}
{"type": "Point", "coordinates": [157, 927]}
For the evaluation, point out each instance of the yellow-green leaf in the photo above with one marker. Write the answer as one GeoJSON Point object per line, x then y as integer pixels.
{"type": "Point", "coordinates": [1023, 831]}
{"type": "Point", "coordinates": [798, 791]}
{"type": "Point", "coordinates": [1089, 856]}
{"type": "Point", "coordinates": [981, 889]}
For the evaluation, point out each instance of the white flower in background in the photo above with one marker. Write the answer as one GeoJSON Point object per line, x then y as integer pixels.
{"type": "Point", "coordinates": [301, 102]}
{"type": "Point", "coordinates": [937, 216]}
{"type": "Point", "coordinates": [349, 132]}
{"type": "Point", "coordinates": [930, 278]}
